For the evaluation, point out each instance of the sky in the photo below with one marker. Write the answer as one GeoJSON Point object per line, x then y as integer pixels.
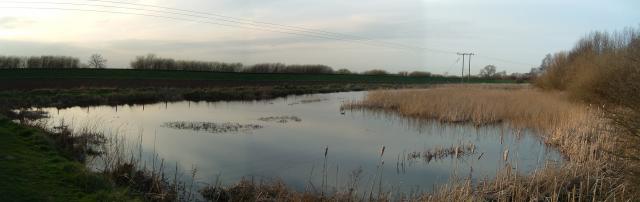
{"type": "Point", "coordinates": [398, 35]}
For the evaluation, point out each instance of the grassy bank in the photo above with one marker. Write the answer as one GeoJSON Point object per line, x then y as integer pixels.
{"type": "Point", "coordinates": [578, 130]}
{"type": "Point", "coordinates": [34, 168]}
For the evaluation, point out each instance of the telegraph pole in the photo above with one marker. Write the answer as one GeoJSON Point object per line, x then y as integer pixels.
{"type": "Point", "coordinates": [468, 75]}
{"type": "Point", "coordinates": [462, 76]}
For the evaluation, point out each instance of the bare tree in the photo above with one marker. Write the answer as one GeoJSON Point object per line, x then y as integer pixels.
{"type": "Point", "coordinates": [488, 71]}
{"type": "Point", "coordinates": [97, 61]}
{"type": "Point", "coordinates": [546, 62]}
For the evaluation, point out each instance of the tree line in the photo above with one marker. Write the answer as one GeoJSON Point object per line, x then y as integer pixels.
{"type": "Point", "coordinates": [603, 68]}
{"type": "Point", "coordinates": [50, 62]}
{"type": "Point", "coordinates": [153, 62]}
{"type": "Point", "coordinates": [38, 62]}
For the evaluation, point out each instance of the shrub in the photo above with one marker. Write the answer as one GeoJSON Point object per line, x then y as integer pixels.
{"type": "Point", "coordinates": [343, 71]}
{"type": "Point", "coordinates": [375, 72]}
{"type": "Point", "coordinates": [604, 69]}
{"type": "Point", "coordinates": [420, 74]}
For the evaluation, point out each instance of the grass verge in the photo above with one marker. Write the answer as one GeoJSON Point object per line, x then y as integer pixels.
{"type": "Point", "coordinates": [33, 168]}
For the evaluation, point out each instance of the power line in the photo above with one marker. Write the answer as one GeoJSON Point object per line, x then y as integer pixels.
{"type": "Point", "coordinates": [505, 60]}
{"type": "Point", "coordinates": [451, 66]}
{"type": "Point", "coordinates": [252, 24]}
{"type": "Point", "coordinates": [273, 24]}
{"type": "Point", "coordinates": [191, 20]}
{"type": "Point", "coordinates": [257, 25]}
{"type": "Point", "coordinates": [298, 28]}
{"type": "Point", "coordinates": [305, 29]}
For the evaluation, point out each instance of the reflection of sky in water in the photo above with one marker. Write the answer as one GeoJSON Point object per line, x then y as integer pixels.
{"type": "Point", "coordinates": [293, 151]}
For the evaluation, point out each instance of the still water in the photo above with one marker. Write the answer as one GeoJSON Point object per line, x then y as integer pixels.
{"type": "Point", "coordinates": [286, 139]}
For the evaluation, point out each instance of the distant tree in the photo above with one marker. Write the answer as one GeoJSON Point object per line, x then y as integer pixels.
{"type": "Point", "coordinates": [546, 63]}
{"type": "Point", "coordinates": [375, 72]}
{"type": "Point", "coordinates": [97, 61]}
{"type": "Point", "coordinates": [144, 62]}
{"type": "Point", "coordinates": [10, 62]}
{"type": "Point", "coordinates": [420, 74]}
{"type": "Point", "coordinates": [52, 62]}
{"type": "Point", "coordinates": [488, 71]}
{"type": "Point", "coordinates": [343, 71]}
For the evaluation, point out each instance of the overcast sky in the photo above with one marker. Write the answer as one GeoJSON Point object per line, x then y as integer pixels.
{"type": "Point", "coordinates": [513, 35]}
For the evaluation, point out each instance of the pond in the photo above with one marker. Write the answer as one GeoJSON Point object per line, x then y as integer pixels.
{"type": "Point", "coordinates": [287, 138]}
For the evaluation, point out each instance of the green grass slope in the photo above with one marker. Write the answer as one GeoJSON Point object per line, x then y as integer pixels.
{"type": "Point", "coordinates": [32, 169]}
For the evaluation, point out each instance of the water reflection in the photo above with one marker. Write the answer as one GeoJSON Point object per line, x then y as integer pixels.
{"type": "Point", "coordinates": [294, 152]}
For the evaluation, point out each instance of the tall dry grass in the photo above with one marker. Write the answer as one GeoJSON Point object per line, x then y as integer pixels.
{"type": "Point", "coordinates": [578, 130]}
{"type": "Point", "coordinates": [604, 68]}
{"type": "Point", "coordinates": [572, 127]}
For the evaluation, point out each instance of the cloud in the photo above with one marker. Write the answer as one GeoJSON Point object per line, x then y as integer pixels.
{"type": "Point", "coordinates": [518, 31]}
{"type": "Point", "coordinates": [14, 22]}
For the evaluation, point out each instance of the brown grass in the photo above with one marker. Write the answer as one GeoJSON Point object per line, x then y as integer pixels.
{"type": "Point", "coordinates": [603, 67]}
{"type": "Point", "coordinates": [577, 130]}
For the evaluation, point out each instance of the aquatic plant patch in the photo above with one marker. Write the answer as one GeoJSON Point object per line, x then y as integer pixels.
{"type": "Point", "coordinates": [281, 119]}
{"type": "Point", "coordinates": [211, 127]}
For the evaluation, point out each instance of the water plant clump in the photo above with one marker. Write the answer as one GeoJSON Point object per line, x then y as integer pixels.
{"type": "Point", "coordinates": [441, 152]}
{"type": "Point", "coordinates": [212, 127]}
{"type": "Point", "coordinates": [307, 101]}
{"type": "Point", "coordinates": [280, 119]}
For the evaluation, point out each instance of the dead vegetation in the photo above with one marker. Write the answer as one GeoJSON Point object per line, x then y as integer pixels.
{"type": "Point", "coordinates": [603, 68]}
{"type": "Point", "coordinates": [578, 130]}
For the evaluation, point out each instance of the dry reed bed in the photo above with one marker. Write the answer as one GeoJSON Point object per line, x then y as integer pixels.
{"type": "Point", "coordinates": [577, 130]}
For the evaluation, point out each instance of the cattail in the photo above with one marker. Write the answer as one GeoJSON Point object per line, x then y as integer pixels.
{"type": "Point", "coordinates": [456, 151]}
{"type": "Point", "coordinates": [473, 148]}
{"type": "Point", "coordinates": [326, 150]}
{"type": "Point", "coordinates": [505, 155]}
{"type": "Point", "coordinates": [382, 151]}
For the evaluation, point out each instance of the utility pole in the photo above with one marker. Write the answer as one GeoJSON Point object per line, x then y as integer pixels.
{"type": "Point", "coordinates": [468, 75]}
{"type": "Point", "coordinates": [462, 76]}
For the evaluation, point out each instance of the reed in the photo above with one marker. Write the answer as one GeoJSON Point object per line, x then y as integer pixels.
{"type": "Point", "coordinates": [577, 130]}
{"type": "Point", "coordinates": [550, 114]}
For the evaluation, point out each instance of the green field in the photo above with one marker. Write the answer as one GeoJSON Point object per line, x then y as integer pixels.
{"type": "Point", "coordinates": [126, 74]}
{"type": "Point", "coordinates": [84, 87]}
